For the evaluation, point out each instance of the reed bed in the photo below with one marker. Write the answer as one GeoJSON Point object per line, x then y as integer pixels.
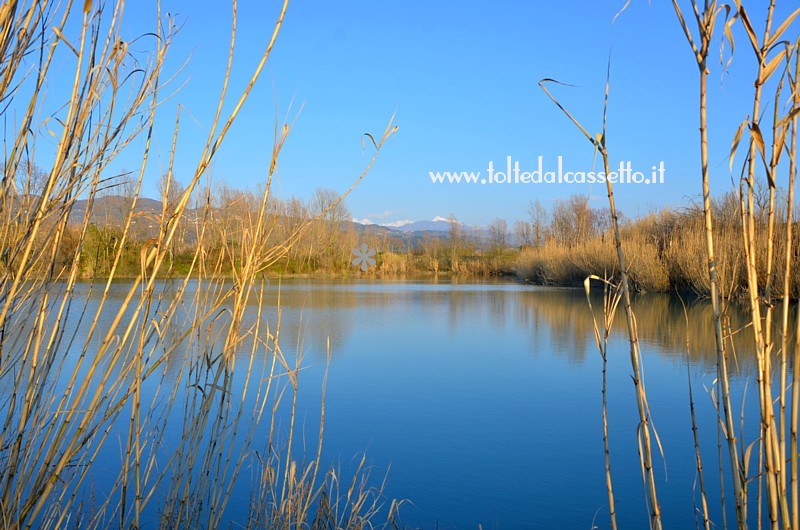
{"type": "Point", "coordinates": [182, 386]}
{"type": "Point", "coordinates": [744, 245]}
{"type": "Point", "coordinates": [555, 264]}
{"type": "Point", "coordinates": [667, 251]}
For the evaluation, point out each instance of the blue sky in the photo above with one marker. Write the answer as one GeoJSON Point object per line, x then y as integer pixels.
{"type": "Point", "coordinates": [461, 79]}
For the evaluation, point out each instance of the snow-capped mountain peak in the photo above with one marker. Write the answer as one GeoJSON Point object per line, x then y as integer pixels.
{"type": "Point", "coordinates": [397, 224]}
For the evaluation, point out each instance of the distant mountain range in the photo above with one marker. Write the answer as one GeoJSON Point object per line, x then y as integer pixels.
{"type": "Point", "coordinates": [112, 210]}
{"type": "Point", "coordinates": [437, 224]}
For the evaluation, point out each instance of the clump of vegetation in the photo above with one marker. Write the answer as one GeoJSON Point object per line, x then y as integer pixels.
{"type": "Point", "coordinates": [667, 249]}
{"type": "Point", "coordinates": [741, 244]}
{"type": "Point", "coordinates": [159, 392]}
{"type": "Point", "coordinates": [554, 264]}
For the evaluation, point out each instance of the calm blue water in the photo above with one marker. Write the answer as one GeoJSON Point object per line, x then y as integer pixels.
{"type": "Point", "coordinates": [479, 403]}
{"type": "Point", "coordinates": [484, 400]}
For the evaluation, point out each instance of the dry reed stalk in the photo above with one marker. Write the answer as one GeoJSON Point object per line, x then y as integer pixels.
{"type": "Point", "coordinates": [645, 451]}
{"type": "Point", "coordinates": [706, 21]}
{"type": "Point", "coordinates": [611, 299]}
{"type": "Point", "coordinates": [695, 433]}
{"type": "Point", "coordinates": [61, 414]}
{"type": "Point", "coordinates": [795, 88]}
{"type": "Point", "coordinates": [774, 440]}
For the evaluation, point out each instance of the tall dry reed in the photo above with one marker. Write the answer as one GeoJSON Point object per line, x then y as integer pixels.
{"type": "Point", "coordinates": [177, 376]}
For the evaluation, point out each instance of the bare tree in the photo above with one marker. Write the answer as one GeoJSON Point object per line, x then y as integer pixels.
{"type": "Point", "coordinates": [331, 214]}
{"type": "Point", "coordinates": [456, 236]}
{"type": "Point", "coordinates": [573, 221]}
{"type": "Point", "coordinates": [498, 234]}
{"type": "Point", "coordinates": [539, 221]}
{"type": "Point", "coordinates": [432, 246]}
{"type": "Point", "coordinates": [325, 203]}
{"type": "Point", "coordinates": [523, 234]}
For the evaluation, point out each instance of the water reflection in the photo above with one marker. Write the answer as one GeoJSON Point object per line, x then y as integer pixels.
{"type": "Point", "coordinates": [666, 323]}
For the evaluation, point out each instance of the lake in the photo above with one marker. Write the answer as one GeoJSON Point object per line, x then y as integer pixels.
{"type": "Point", "coordinates": [485, 399]}
{"type": "Point", "coordinates": [480, 402]}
